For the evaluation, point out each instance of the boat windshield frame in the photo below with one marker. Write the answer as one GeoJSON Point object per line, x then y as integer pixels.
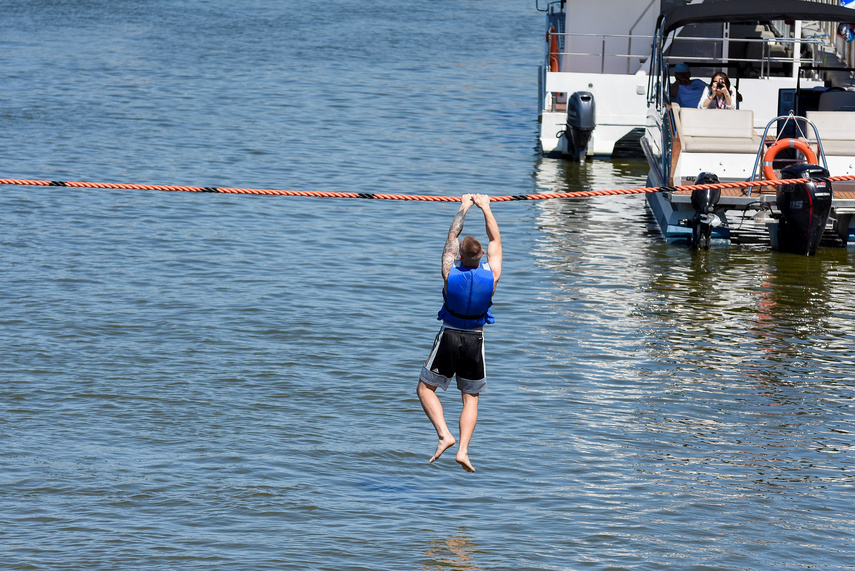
{"type": "Point", "coordinates": [733, 11]}
{"type": "Point", "coordinates": [741, 11]}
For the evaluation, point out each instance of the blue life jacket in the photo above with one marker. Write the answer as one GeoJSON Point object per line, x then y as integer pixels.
{"type": "Point", "coordinates": [468, 296]}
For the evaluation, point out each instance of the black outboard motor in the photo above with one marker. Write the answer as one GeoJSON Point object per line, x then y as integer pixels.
{"type": "Point", "coordinates": [704, 201]}
{"type": "Point", "coordinates": [580, 123]}
{"type": "Point", "coordinates": [804, 209]}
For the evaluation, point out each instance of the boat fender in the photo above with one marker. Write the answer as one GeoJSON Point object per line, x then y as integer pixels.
{"type": "Point", "coordinates": [552, 40]}
{"type": "Point", "coordinates": [773, 151]}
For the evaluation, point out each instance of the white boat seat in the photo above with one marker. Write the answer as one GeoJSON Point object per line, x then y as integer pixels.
{"type": "Point", "coordinates": [836, 130]}
{"type": "Point", "coordinates": [716, 130]}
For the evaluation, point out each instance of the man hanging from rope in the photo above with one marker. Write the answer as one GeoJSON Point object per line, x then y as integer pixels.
{"type": "Point", "coordinates": [458, 350]}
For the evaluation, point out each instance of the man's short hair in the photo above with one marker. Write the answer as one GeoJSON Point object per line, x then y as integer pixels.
{"type": "Point", "coordinates": [471, 247]}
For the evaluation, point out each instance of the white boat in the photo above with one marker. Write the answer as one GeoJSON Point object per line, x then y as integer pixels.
{"type": "Point", "coordinates": [596, 68]}
{"type": "Point", "coordinates": [783, 79]}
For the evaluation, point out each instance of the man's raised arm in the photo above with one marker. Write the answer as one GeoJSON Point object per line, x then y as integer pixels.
{"type": "Point", "coordinates": [452, 245]}
{"type": "Point", "coordinates": [494, 248]}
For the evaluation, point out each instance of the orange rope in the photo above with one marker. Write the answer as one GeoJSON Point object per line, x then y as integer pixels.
{"type": "Point", "coordinates": [319, 194]}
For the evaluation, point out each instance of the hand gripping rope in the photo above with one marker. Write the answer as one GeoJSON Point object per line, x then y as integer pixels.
{"type": "Point", "coordinates": [320, 194]}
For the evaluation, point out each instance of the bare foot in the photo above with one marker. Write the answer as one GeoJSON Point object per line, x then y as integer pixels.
{"type": "Point", "coordinates": [441, 446]}
{"type": "Point", "coordinates": [463, 460]}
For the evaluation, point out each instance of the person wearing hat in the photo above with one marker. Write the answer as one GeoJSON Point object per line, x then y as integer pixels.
{"type": "Point", "coordinates": [685, 90]}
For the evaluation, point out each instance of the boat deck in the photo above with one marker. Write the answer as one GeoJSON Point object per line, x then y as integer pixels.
{"type": "Point", "coordinates": [844, 195]}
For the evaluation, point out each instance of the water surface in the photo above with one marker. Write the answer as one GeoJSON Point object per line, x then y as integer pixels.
{"type": "Point", "coordinates": [206, 381]}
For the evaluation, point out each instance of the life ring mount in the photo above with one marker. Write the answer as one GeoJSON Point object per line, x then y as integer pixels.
{"type": "Point", "coordinates": [780, 145]}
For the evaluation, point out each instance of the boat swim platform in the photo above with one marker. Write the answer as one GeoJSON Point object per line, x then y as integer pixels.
{"type": "Point", "coordinates": [843, 196]}
{"type": "Point", "coordinates": [749, 214]}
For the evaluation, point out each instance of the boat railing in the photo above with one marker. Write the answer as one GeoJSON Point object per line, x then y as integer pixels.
{"type": "Point", "coordinates": [555, 8]}
{"type": "Point", "coordinates": [603, 53]}
{"type": "Point", "coordinates": [828, 31]}
{"type": "Point", "coordinates": [552, 6]}
{"type": "Point", "coordinates": [799, 122]}
{"type": "Point", "coordinates": [766, 59]}
{"type": "Point", "coordinates": [632, 32]}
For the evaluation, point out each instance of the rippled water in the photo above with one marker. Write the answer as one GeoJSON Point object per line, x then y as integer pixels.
{"type": "Point", "coordinates": [211, 381]}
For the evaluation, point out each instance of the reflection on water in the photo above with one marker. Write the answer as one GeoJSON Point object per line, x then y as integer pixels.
{"type": "Point", "coordinates": [556, 175]}
{"type": "Point", "coordinates": [782, 304]}
{"type": "Point", "coordinates": [607, 222]}
{"type": "Point", "coordinates": [731, 369]}
{"type": "Point", "coordinates": [778, 303]}
{"type": "Point", "coordinates": [455, 551]}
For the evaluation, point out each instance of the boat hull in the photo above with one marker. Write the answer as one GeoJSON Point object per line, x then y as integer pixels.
{"type": "Point", "coordinates": [673, 216]}
{"type": "Point", "coordinates": [621, 110]}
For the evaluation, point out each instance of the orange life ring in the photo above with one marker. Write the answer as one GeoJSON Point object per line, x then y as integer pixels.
{"type": "Point", "coordinates": [773, 151]}
{"type": "Point", "coordinates": [552, 40]}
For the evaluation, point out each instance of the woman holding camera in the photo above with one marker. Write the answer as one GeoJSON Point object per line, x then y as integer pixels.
{"type": "Point", "coordinates": [718, 94]}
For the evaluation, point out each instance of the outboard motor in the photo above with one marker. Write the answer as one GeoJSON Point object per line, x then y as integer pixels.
{"type": "Point", "coordinates": [704, 201]}
{"type": "Point", "coordinates": [804, 209]}
{"type": "Point", "coordinates": [580, 123]}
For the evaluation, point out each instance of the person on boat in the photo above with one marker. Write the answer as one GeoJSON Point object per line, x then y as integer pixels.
{"type": "Point", "coordinates": [686, 91]}
{"type": "Point", "coordinates": [458, 350]}
{"type": "Point", "coordinates": [719, 94]}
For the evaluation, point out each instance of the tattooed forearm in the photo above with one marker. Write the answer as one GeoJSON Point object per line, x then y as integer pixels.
{"type": "Point", "coordinates": [457, 224]}
{"type": "Point", "coordinates": [452, 246]}
{"type": "Point", "coordinates": [449, 253]}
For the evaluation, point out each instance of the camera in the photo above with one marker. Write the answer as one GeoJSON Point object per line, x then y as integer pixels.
{"type": "Point", "coordinates": [719, 85]}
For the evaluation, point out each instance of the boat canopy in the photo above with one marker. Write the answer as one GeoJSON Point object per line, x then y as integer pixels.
{"type": "Point", "coordinates": [761, 10]}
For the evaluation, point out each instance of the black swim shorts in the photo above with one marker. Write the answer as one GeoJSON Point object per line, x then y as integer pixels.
{"type": "Point", "coordinates": [460, 353]}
